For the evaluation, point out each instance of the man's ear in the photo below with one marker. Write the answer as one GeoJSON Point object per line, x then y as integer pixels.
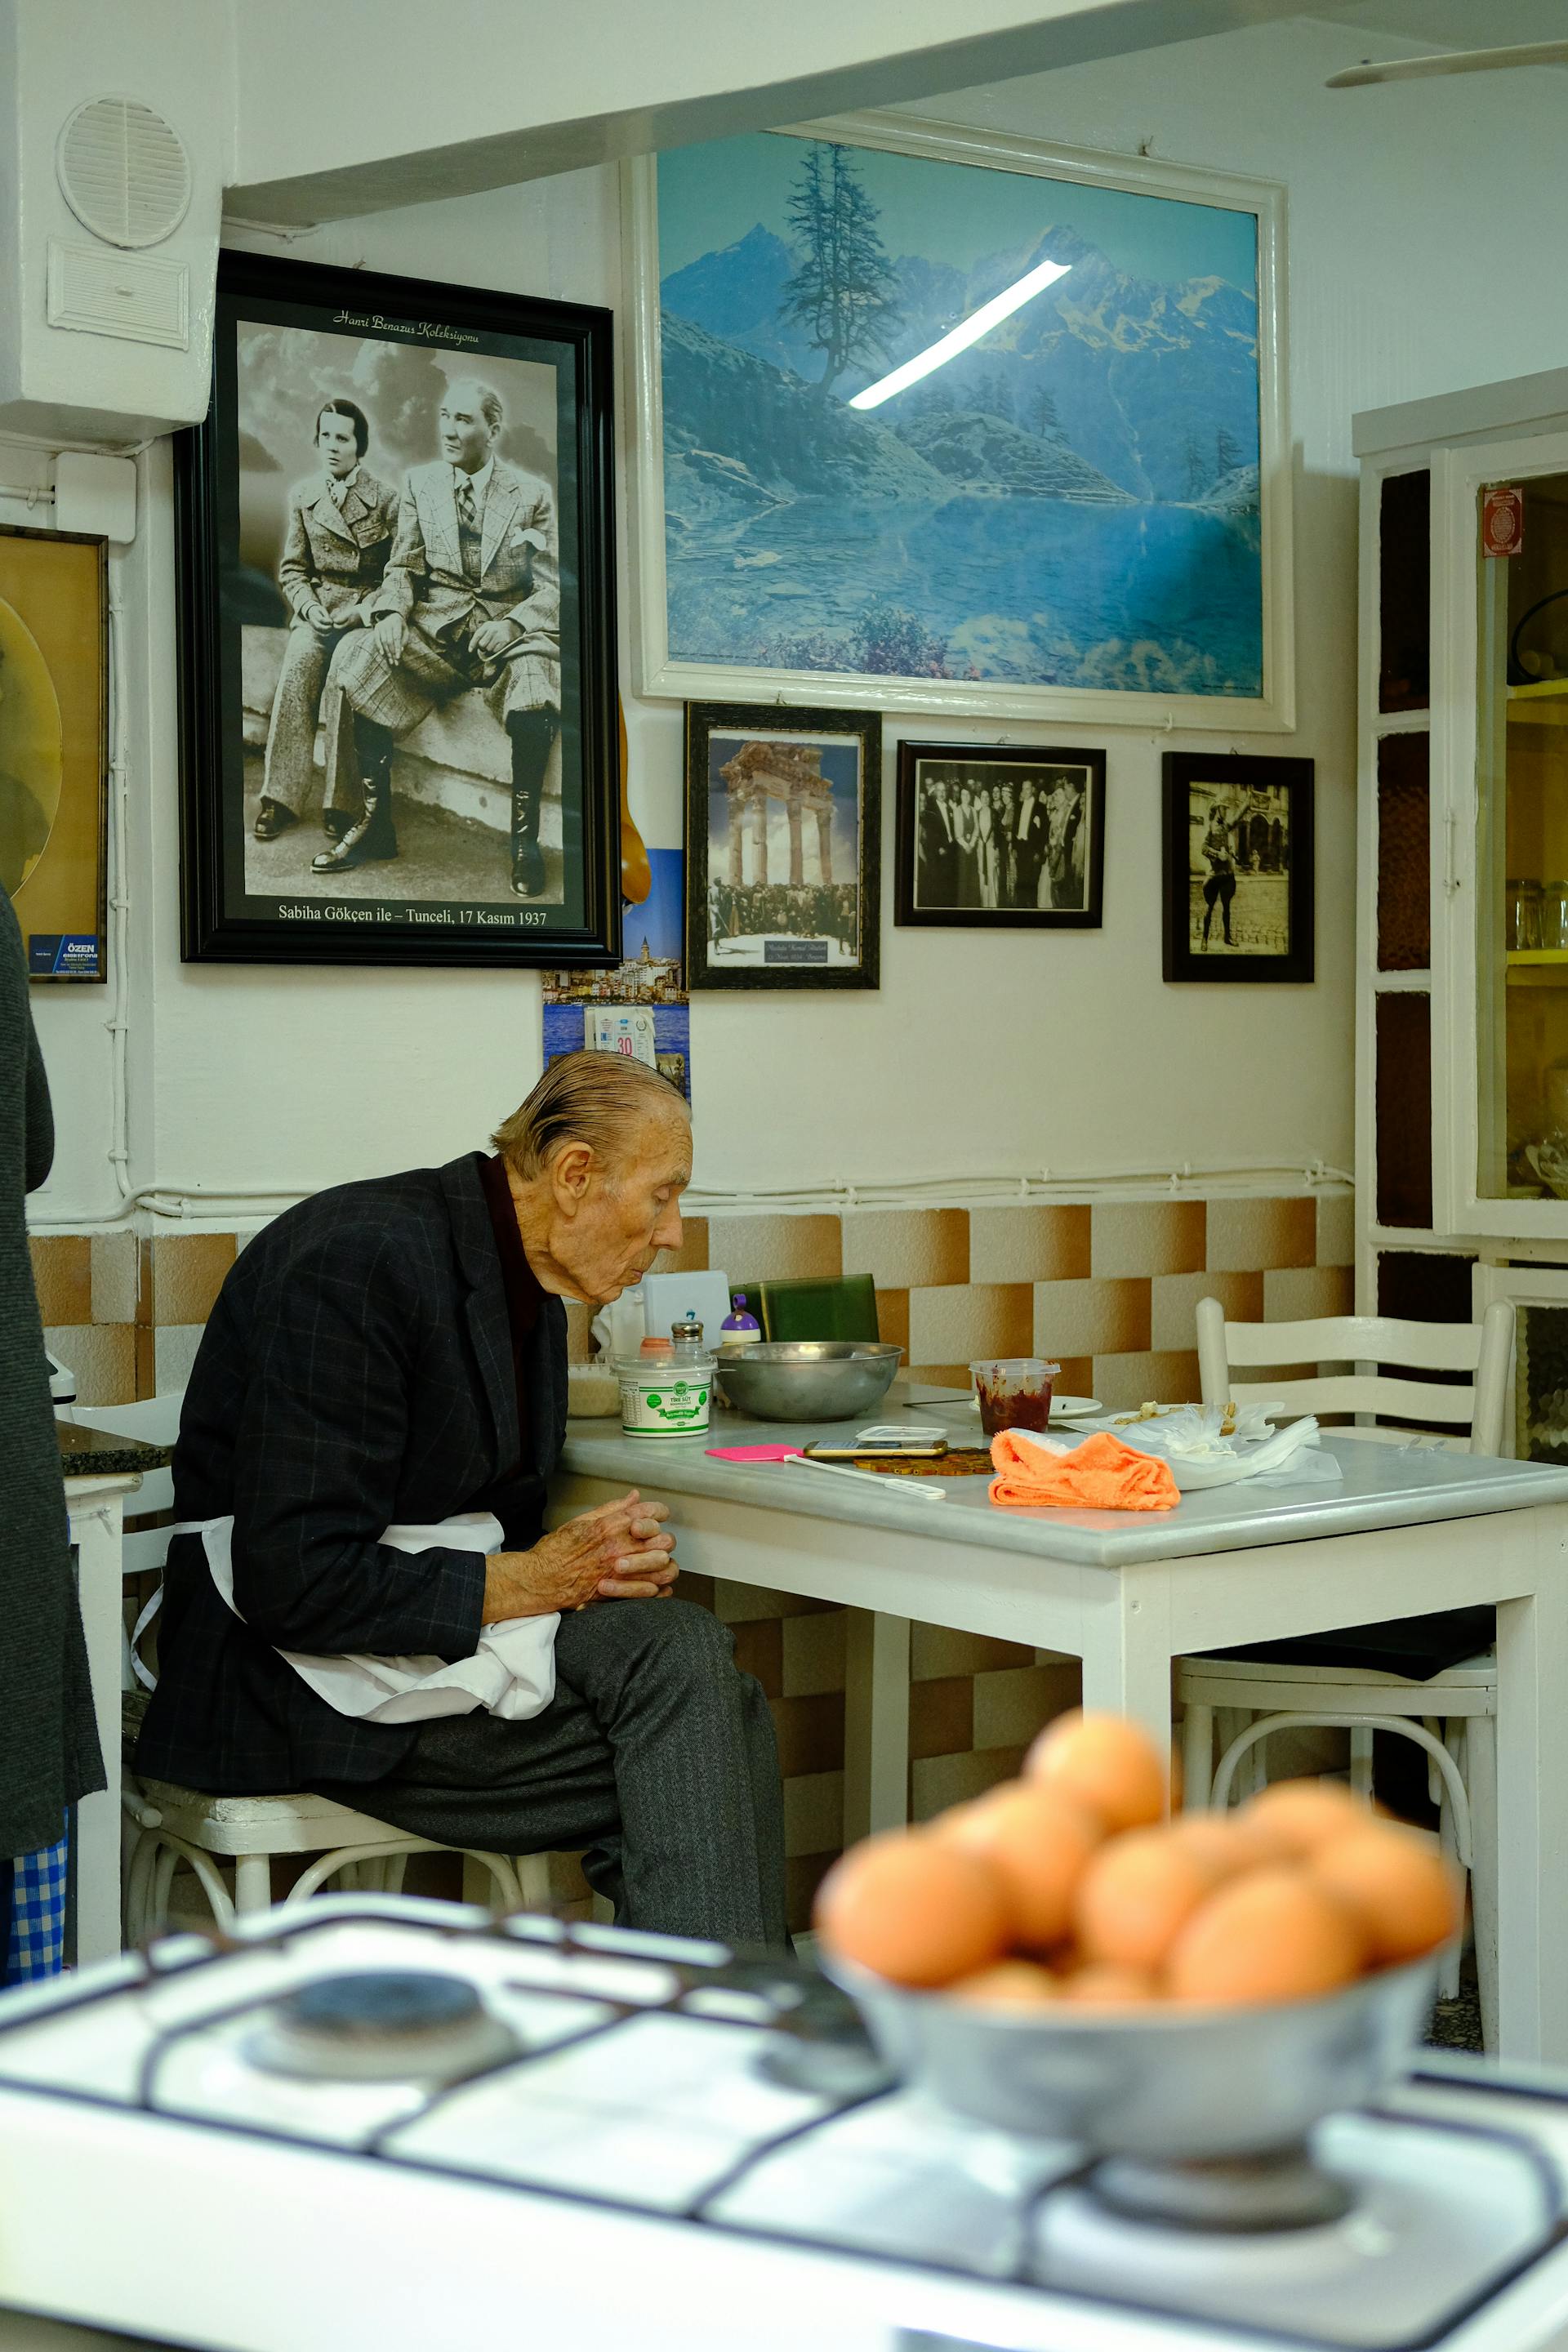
{"type": "Point", "coordinates": [570, 1173]}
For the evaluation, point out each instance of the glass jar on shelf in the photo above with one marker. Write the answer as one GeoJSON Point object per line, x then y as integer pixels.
{"type": "Point", "coordinates": [1554, 915]}
{"type": "Point", "coordinates": [1524, 912]}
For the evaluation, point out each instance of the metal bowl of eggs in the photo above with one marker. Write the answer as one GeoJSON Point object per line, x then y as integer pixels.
{"type": "Point", "coordinates": [1164, 2083]}
{"type": "Point", "coordinates": [1061, 1959]}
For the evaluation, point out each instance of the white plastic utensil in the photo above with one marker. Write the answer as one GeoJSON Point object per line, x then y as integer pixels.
{"type": "Point", "coordinates": [917, 1489]}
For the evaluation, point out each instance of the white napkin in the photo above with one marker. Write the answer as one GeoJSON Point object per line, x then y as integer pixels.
{"type": "Point", "coordinates": [1189, 1439]}
{"type": "Point", "coordinates": [511, 1673]}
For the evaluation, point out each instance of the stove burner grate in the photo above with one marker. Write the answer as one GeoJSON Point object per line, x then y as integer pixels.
{"type": "Point", "coordinates": [1226, 2196]}
{"type": "Point", "coordinates": [382, 2025]}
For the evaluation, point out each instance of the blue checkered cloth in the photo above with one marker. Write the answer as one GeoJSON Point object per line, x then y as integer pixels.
{"type": "Point", "coordinates": [37, 1939]}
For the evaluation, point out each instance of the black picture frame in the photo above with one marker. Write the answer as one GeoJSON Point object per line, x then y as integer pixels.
{"type": "Point", "coordinates": [396, 344]}
{"type": "Point", "coordinates": [1011, 878]}
{"type": "Point", "coordinates": [743, 928]}
{"type": "Point", "coordinates": [1260, 813]}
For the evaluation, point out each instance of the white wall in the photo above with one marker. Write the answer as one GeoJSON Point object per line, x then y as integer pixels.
{"type": "Point", "coordinates": [1424, 255]}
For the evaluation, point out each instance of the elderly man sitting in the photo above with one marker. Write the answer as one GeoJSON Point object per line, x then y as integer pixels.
{"type": "Point", "coordinates": [390, 1356]}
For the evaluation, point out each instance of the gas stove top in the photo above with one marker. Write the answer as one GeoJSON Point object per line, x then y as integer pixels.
{"type": "Point", "coordinates": [395, 2124]}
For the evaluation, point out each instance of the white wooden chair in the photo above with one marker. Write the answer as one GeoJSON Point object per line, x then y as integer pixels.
{"type": "Point", "coordinates": [1453, 1715]}
{"type": "Point", "coordinates": [169, 1824]}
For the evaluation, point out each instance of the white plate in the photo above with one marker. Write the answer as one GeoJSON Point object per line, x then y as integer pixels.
{"type": "Point", "coordinates": [1063, 1408]}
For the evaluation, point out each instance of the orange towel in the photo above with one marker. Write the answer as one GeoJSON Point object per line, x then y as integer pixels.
{"type": "Point", "coordinates": [1101, 1475]}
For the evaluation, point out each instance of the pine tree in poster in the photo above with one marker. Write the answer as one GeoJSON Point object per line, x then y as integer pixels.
{"type": "Point", "coordinates": [842, 291]}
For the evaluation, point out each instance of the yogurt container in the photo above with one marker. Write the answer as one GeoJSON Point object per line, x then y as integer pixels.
{"type": "Point", "coordinates": [661, 1398]}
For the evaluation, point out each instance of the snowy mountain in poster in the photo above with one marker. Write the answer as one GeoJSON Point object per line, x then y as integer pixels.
{"type": "Point", "coordinates": [1071, 501]}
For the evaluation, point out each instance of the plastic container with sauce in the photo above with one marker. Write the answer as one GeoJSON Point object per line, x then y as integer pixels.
{"type": "Point", "coordinates": [1015, 1392]}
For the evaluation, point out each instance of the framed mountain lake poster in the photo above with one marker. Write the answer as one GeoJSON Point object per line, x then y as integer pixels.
{"type": "Point", "coordinates": [938, 420]}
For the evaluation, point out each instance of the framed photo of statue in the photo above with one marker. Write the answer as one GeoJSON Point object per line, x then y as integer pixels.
{"type": "Point", "coordinates": [1240, 894]}
{"type": "Point", "coordinates": [782, 840]}
{"type": "Point", "coordinates": [54, 749]}
{"type": "Point", "coordinates": [998, 837]}
{"type": "Point", "coordinates": [944, 421]}
{"type": "Point", "coordinates": [396, 627]}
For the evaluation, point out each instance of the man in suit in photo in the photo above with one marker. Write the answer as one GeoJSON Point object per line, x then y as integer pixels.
{"type": "Point", "coordinates": [340, 525]}
{"type": "Point", "coordinates": [471, 601]}
{"type": "Point", "coordinates": [391, 1356]}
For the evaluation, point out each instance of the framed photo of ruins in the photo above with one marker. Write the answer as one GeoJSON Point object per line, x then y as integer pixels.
{"type": "Point", "coordinates": [783, 841]}
{"type": "Point", "coordinates": [396, 627]}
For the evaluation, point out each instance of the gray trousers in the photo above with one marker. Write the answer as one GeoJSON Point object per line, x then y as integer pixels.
{"type": "Point", "coordinates": [289, 776]}
{"type": "Point", "coordinates": [656, 1756]}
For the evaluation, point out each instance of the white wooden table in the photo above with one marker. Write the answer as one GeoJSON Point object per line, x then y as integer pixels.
{"type": "Point", "coordinates": [1407, 1531]}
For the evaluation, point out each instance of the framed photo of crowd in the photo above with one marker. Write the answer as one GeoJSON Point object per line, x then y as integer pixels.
{"type": "Point", "coordinates": [396, 627]}
{"type": "Point", "coordinates": [782, 839]}
{"type": "Point", "coordinates": [994, 836]}
{"type": "Point", "coordinates": [1239, 888]}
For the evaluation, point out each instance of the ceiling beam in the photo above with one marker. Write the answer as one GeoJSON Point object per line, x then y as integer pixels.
{"type": "Point", "coordinates": [474, 96]}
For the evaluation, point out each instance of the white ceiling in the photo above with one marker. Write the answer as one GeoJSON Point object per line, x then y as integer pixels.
{"type": "Point", "coordinates": [1452, 24]}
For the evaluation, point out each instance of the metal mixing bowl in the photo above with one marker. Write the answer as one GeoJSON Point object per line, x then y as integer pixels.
{"type": "Point", "coordinates": [807, 1380]}
{"type": "Point", "coordinates": [1162, 2084]}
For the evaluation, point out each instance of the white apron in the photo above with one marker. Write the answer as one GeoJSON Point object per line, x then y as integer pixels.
{"type": "Point", "coordinates": [511, 1673]}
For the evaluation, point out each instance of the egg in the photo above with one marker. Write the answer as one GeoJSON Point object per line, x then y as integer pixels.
{"type": "Point", "coordinates": [1110, 1766]}
{"type": "Point", "coordinates": [1296, 1816]}
{"type": "Point", "coordinates": [918, 1909]}
{"type": "Point", "coordinates": [1103, 1986]}
{"type": "Point", "coordinates": [1137, 1895]}
{"type": "Point", "coordinates": [1271, 1935]}
{"type": "Point", "coordinates": [1039, 1843]}
{"type": "Point", "coordinates": [1404, 1892]}
{"type": "Point", "coordinates": [1221, 1842]}
{"type": "Point", "coordinates": [1008, 1984]}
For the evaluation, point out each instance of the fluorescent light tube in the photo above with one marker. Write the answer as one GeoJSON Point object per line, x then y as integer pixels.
{"type": "Point", "coordinates": [969, 330]}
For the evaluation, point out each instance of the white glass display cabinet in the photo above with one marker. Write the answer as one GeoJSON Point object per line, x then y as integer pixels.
{"type": "Point", "coordinates": [1462, 1042]}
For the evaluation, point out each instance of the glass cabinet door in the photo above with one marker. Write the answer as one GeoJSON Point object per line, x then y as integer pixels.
{"type": "Point", "coordinates": [1521, 897]}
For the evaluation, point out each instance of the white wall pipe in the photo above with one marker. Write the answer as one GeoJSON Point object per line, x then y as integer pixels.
{"type": "Point", "coordinates": [185, 1204]}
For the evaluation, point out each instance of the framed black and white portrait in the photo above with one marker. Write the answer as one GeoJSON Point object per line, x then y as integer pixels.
{"type": "Point", "coordinates": [991, 836]}
{"type": "Point", "coordinates": [397, 626]}
{"type": "Point", "coordinates": [1239, 894]}
{"type": "Point", "coordinates": [783, 837]}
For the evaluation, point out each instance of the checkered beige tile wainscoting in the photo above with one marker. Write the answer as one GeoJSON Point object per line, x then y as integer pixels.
{"type": "Point", "coordinates": [126, 1312]}
{"type": "Point", "coordinates": [1108, 1289]}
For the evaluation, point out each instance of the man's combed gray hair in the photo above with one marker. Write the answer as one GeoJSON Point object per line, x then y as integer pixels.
{"type": "Point", "coordinates": [487, 396]}
{"type": "Point", "coordinates": [600, 1099]}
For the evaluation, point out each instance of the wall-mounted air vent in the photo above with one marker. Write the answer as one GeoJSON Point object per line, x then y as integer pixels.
{"type": "Point", "coordinates": [123, 170]}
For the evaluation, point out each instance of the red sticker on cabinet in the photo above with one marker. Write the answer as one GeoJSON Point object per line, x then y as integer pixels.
{"type": "Point", "coordinates": [1502, 522]}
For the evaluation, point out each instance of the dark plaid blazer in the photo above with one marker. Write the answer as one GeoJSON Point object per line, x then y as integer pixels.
{"type": "Point", "coordinates": [356, 1371]}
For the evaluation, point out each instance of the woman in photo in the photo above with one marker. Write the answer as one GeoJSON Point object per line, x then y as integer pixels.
{"type": "Point", "coordinates": [340, 525]}
{"type": "Point", "coordinates": [965, 837]}
{"type": "Point", "coordinates": [986, 845]}
{"type": "Point", "coordinates": [1064, 816]}
{"type": "Point", "coordinates": [1220, 886]}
